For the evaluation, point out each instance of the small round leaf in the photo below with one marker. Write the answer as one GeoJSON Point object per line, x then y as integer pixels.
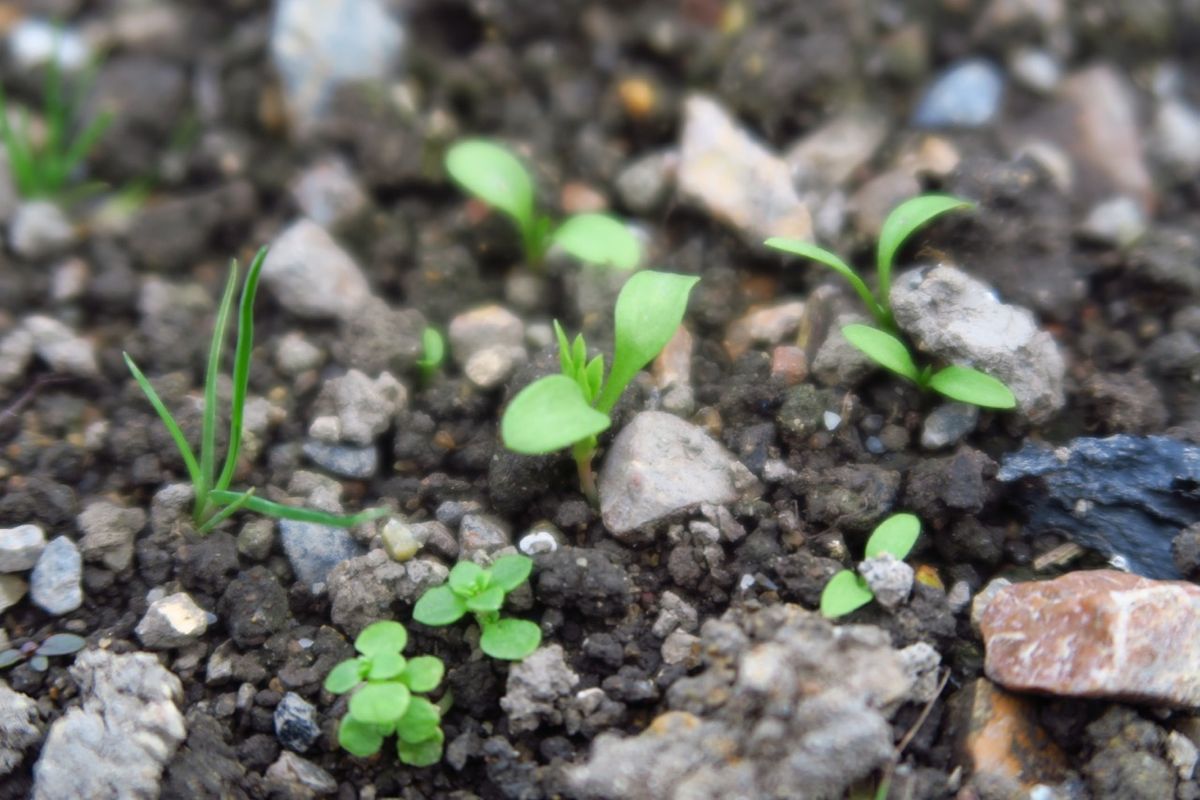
{"type": "Point", "coordinates": [422, 754]}
{"type": "Point", "coordinates": [845, 592]}
{"type": "Point", "coordinates": [510, 639]}
{"type": "Point", "coordinates": [419, 722]}
{"type": "Point", "coordinates": [467, 578]}
{"type": "Point", "coordinates": [345, 676]}
{"type": "Point", "coordinates": [359, 738]}
{"type": "Point", "coordinates": [896, 535]}
{"type": "Point", "coordinates": [380, 703]}
{"type": "Point", "coordinates": [969, 385]}
{"type": "Point", "coordinates": [490, 599]}
{"type": "Point", "coordinates": [509, 572]}
{"type": "Point", "coordinates": [884, 349]}
{"type": "Point", "coordinates": [386, 665]}
{"type": "Point", "coordinates": [39, 663]}
{"type": "Point", "coordinates": [424, 673]}
{"type": "Point", "coordinates": [549, 414]}
{"type": "Point", "coordinates": [599, 239]}
{"type": "Point", "coordinates": [439, 606]}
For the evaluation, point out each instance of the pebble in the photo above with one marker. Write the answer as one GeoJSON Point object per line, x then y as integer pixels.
{"type": "Point", "coordinates": [1036, 69]}
{"type": "Point", "coordinates": [543, 537]}
{"type": "Point", "coordinates": [39, 229]}
{"type": "Point", "coordinates": [256, 538]}
{"type": "Point", "coordinates": [839, 363]}
{"type": "Point", "coordinates": [681, 647]}
{"type": "Point", "coordinates": [672, 371]}
{"type": "Point", "coordinates": [1097, 634]}
{"type": "Point", "coordinates": [398, 540]}
{"type": "Point", "coordinates": [645, 183]}
{"type": "Point", "coordinates": [20, 727]}
{"type": "Point", "coordinates": [729, 174]}
{"type": "Point", "coordinates": [109, 531]}
{"type": "Point", "coordinates": [1182, 753]}
{"type": "Point", "coordinates": [12, 589]}
{"type": "Point", "coordinates": [483, 328]}
{"type": "Point", "coordinates": [769, 326]}
{"type": "Point", "coordinates": [492, 366]}
{"type": "Point", "coordinates": [1119, 222]}
{"type": "Point", "coordinates": [61, 348]}
{"type": "Point", "coordinates": [830, 155]}
{"type": "Point", "coordinates": [293, 776]}
{"type": "Point", "coordinates": [947, 424]}
{"type": "Point", "coordinates": [254, 607]}
{"type": "Point", "coordinates": [296, 725]}
{"type": "Point", "coordinates": [789, 364]}
{"type": "Point", "coordinates": [172, 621]}
{"type": "Point", "coordinates": [34, 42]}
{"type": "Point", "coordinates": [296, 354]}
{"type": "Point", "coordinates": [312, 276]}
{"type": "Point", "coordinates": [328, 192]}
{"type": "Point", "coordinates": [1176, 138]}
{"type": "Point", "coordinates": [363, 407]}
{"type": "Point", "coordinates": [890, 579]}
{"type": "Point", "coordinates": [344, 460]}
{"type": "Point", "coordinates": [16, 353]}
{"type": "Point", "coordinates": [966, 95]}
{"type": "Point", "coordinates": [55, 584]}
{"type": "Point", "coordinates": [537, 686]}
{"type": "Point", "coordinates": [20, 547]}
{"type": "Point", "coordinates": [313, 550]}
{"type": "Point", "coordinates": [483, 533]}
{"type": "Point", "coordinates": [831, 420]}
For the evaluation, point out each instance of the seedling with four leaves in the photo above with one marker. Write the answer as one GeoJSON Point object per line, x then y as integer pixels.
{"type": "Point", "coordinates": [493, 174]}
{"type": "Point", "coordinates": [572, 408]}
{"type": "Point", "coordinates": [847, 591]}
{"type": "Point", "coordinates": [481, 591]}
{"type": "Point", "coordinates": [385, 686]}
{"type": "Point", "coordinates": [214, 501]}
{"type": "Point", "coordinates": [39, 655]}
{"type": "Point", "coordinates": [881, 343]}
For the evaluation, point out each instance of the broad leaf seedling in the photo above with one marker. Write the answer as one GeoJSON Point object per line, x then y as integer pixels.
{"type": "Point", "coordinates": [572, 408]}
{"type": "Point", "coordinates": [433, 353]}
{"type": "Point", "coordinates": [39, 655]}
{"type": "Point", "coordinates": [881, 344]}
{"type": "Point", "coordinates": [214, 501]}
{"type": "Point", "coordinates": [493, 174]}
{"type": "Point", "coordinates": [481, 591]}
{"type": "Point", "coordinates": [847, 591]}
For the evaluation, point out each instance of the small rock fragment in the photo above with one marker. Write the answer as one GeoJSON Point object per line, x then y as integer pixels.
{"type": "Point", "coordinates": [12, 589]}
{"type": "Point", "coordinates": [20, 727]}
{"type": "Point", "coordinates": [56, 581]}
{"type": "Point", "coordinates": [329, 193]}
{"type": "Point", "coordinates": [536, 687]}
{"type": "Point", "coordinates": [109, 531]}
{"type": "Point", "coordinates": [483, 533]}
{"type": "Point", "coordinates": [296, 725]}
{"type": "Point", "coordinates": [20, 547]}
{"type": "Point", "coordinates": [967, 95]}
{"type": "Point", "coordinates": [172, 621]}
{"type": "Point", "coordinates": [482, 328]}
{"type": "Point", "coordinates": [947, 424]}
{"type": "Point", "coordinates": [890, 579]}
{"type": "Point", "coordinates": [296, 777]}
{"type": "Point", "coordinates": [38, 229]}
{"type": "Point", "coordinates": [313, 550]}
{"type": "Point", "coordinates": [61, 348]}
{"type": "Point", "coordinates": [312, 276]}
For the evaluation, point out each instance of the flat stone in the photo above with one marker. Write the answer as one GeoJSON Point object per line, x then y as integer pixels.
{"type": "Point", "coordinates": [39, 229]}
{"type": "Point", "coordinates": [1097, 634]}
{"type": "Point", "coordinates": [947, 424]}
{"type": "Point", "coordinates": [329, 193]}
{"type": "Point", "coordinates": [482, 328]}
{"type": "Point", "coordinates": [966, 95]}
{"type": "Point", "coordinates": [344, 460]}
{"type": "Point", "coordinates": [59, 346]}
{"type": "Point", "coordinates": [55, 585]}
{"type": "Point", "coordinates": [492, 366]}
{"type": "Point", "coordinates": [830, 155]}
{"type": "Point", "coordinates": [294, 776]}
{"type": "Point", "coordinates": [20, 547]}
{"type": "Point", "coordinates": [770, 325]}
{"type": "Point", "coordinates": [673, 373]}
{"type": "Point", "coordinates": [314, 550]}
{"type": "Point", "coordinates": [109, 531]}
{"type": "Point", "coordinates": [363, 407]}
{"type": "Point", "coordinates": [172, 621]}
{"type": "Point", "coordinates": [312, 276]}
{"type": "Point", "coordinates": [659, 465]}
{"type": "Point", "coordinates": [12, 589]}
{"type": "Point", "coordinates": [483, 533]}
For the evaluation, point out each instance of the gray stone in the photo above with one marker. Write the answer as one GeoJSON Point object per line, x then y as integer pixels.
{"type": "Point", "coordinates": [344, 460]}
{"type": "Point", "coordinates": [39, 229]}
{"type": "Point", "coordinates": [675, 614]}
{"type": "Point", "coordinates": [483, 533]}
{"type": "Point", "coordinates": [363, 589]}
{"type": "Point", "coordinates": [116, 743]}
{"type": "Point", "coordinates": [659, 465]}
{"type": "Point", "coordinates": [830, 155]}
{"type": "Point", "coordinates": [295, 354]}
{"type": "Point", "coordinates": [55, 585]}
{"type": "Point", "coordinates": [537, 687]}
{"type": "Point", "coordinates": [329, 193]}
{"type": "Point", "coordinates": [256, 538]}
{"type": "Point", "coordinates": [172, 621]}
{"type": "Point", "coordinates": [398, 540]}
{"type": "Point", "coordinates": [1176, 139]}
{"type": "Point", "coordinates": [947, 424]}
{"type": "Point", "coordinates": [109, 531]}
{"type": "Point", "coordinates": [921, 662]}
{"type": "Point", "coordinates": [295, 777]}
{"type": "Point", "coordinates": [492, 366]}
{"type": "Point", "coordinates": [542, 538]}
{"type": "Point", "coordinates": [966, 95]}
{"type": "Point", "coordinates": [644, 184]}
{"type": "Point", "coordinates": [1118, 221]}
{"type": "Point", "coordinates": [1037, 69]}
{"type": "Point", "coordinates": [956, 318]}
{"type": "Point", "coordinates": [482, 328]}
{"type": "Point", "coordinates": [312, 276]}
{"type": "Point", "coordinates": [317, 47]}
{"type": "Point", "coordinates": [296, 725]}
{"type": "Point", "coordinates": [61, 347]}
{"type": "Point", "coordinates": [20, 547]}
{"type": "Point", "coordinates": [436, 536]}
{"type": "Point", "coordinates": [839, 363]}
{"type": "Point", "coordinates": [9, 198]}
{"type": "Point", "coordinates": [12, 589]}
{"type": "Point", "coordinates": [727, 173]}
{"type": "Point", "coordinates": [20, 727]}
{"type": "Point", "coordinates": [313, 550]}
{"type": "Point", "coordinates": [363, 407]}
{"type": "Point", "coordinates": [890, 579]}
{"type": "Point", "coordinates": [16, 353]}
{"type": "Point", "coordinates": [36, 42]}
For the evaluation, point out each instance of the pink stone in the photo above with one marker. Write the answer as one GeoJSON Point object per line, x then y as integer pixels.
{"type": "Point", "coordinates": [1097, 634]}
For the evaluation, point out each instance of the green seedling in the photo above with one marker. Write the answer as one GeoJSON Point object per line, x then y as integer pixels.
{"type": "Point", "coordinates": [39, 655]}
{"type": "Point", "coordinates": [481, 591]}
{"type": "Point", "coordinates": [490, 172]}
{"type": "Point", "coordinates": [881, 344]}
{"type": "Point", "coordinates": [572, 408]}
{"type": "Point", "coordinates": [385, 685]}
{"type": "Point", "coordinates": [214, 501]}
{"type": "Point", "coordinates": [847, 591]}
{"type": "Point", "coordinates": [43, 166]}
{"type": "Point", "coordinates": [433, 353]}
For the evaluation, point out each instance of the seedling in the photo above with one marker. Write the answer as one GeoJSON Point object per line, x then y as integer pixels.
{"type": "Point", "coordinates": [434, 352]}
{"type": "Point", "coordinates": [571, 409]}
{"type": "Point", "coordinates": [881, 344]}
{"type": "Point", "coordinates": [847, 591]}
{"type": "Point", "coordinates": [384, 702]}
{"type": "Point", "coordinates": [482, 591]}
{"type": "Point", "coordinates": [214, 501]}
{"type": "Point", "coordinates": [39, 655]}
{"type": "Point", "coordinates": [43, 166]}
{"type": "Point", "coordinates": [493, 174]}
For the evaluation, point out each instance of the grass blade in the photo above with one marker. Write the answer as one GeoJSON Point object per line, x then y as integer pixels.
{"type": "Point", "coordinates": [903, 221]}
{"type": "Point", "coordinates": [172, 427]}
{"type": "Point", "coordinates": [84, 143]}
{"type": "Point", "coordinates": [809, 250]}
{"type": "Point", "coordinates": [241, 368]}
{"type": "Point", "coordinates": [208, 439]}
{"type": "Point", "coordinates": [269, 508]}
{"type": "Point", "coordinates": [226, 512]}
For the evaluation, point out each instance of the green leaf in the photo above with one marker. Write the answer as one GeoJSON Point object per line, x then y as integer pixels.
{"type": "Point", "coordinates": [884, 349]}
{"type": "Point", "coordinates": [384, 636]}
{"type": "Point", "coordinates": [380, 703]}
{"type": "Point", "coordinates": [181, 443]}
{"type": "Point", "coordinates": [346, 675]}
{"type": "Point", "coordinates": [490, 599]}
{"type": "Point", "coordinates": [421, 754]}
{"type": "Point", "coordinates": [439, 606]}
{"type": "Point", "coordinates": [208, 436]}
{"type": "Point", "coordinates": [845, 592]}
{"type": "Point", "coordinates": [896, 535]}
{"type": "Point", "coordinates": [969, 385]}
{"type": "Point", "coordinates": [494, 175]}
{"type": "Point", "coordinates": [61, 644]}
{"type": "Point", "coordinates": [901, 223]}
{"type": "Point", "coordinates": [269, 508]}
{"type": "Point", "coordinates": [433, 347]}
{"type": "Point", "coordinates": [510, 639]}
{"type": "Point", "coordinates": [549, 414]}
{"type": "Point", "coordinates": [565, 362]}
{"type": "Point", "coordinates": [386, 665]}
{"type": "Point", "coordinates": [648, 312]}
{"type": "Point", "coordinates": [467, 578]}
{"type": "Point", "coordinates": [39, 663]}
{"type": "Point", "coordinates": [509, 572]}
{"type": "Point", "coordinates": [599, 239]}
{"type": "Point", "coordinates": [835, 263]}
{"type": "Point", "coordinates": [420, 721]}
{"type": "Point", "coordinates": [359, 738]}
{"type": "Point", "coordinates": [424, 673]}
{"type": "Point", "coordinates": [9, 657]}
{"type": "Point", "coordinates": [594, 373]}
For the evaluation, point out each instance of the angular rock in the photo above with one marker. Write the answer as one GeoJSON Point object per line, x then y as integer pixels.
{"type": "Point", "coordinates": [20, 727]}
{"type": "Point", "coordinates": [55, 584]}
{"type": "Point", "coordinates": [956, 318]}
{"type": "Point", "coordinates": [61, 348]}
{"type": "Point", "coordinates": [293, 776]}
{"type": "Point", "coordinates": [116, 743]}
{"type": "Point", "coordinates": [537, 685]}
{"type": "Point", "coordinates": [344, 460]}
{"type": "Point", "coordinates": [947, 424]}
{"type": "Point", "coordinates": [172, 621]}
{"type": "Point", "coordinates": [254, 606]}
{"type": "Point", "coordinates": [109, 531]}
{"type": "Point", "coordinates": [967, 95]}
{"type": "Point", "coordinates": [673, 373]}
{"type": "Point", "coordinates": [483, 533]}
{"type": "Point", "coordinates": [296, 725]}
{"type": "Point", "coordinates": [659, 465]}
{"type": "Point", "coordinates": [329, 193]}
{"type": "Point", "coordinates": [313, 277]}
{"type": "Point", "coordinates": [839, 363]}
{"type": "Point", "coordinates": [830, 155]}
{"type": "Point", "coordinates": [1097, 634]}
{"type": "Point", "coordinates": [890, 579]}
{"type": "Point", "coordinates": [313, 550]}
{"type": "Point", "coordinates": [40, 229]}
{"type": "Point", "coordinates": [363, 407]}
{"type": "Point", "coordinates": [20, 547]}
{"type": "Point", "coordinates": [481, 328]}
{"type": "Point", "coordinates": [726, 172]}
{"type": "Point", "coordinates": [769, 325]}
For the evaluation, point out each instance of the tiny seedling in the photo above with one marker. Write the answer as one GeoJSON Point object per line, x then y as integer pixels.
{"type": "Point", "coordinates": [214, 501]}
{"type": "Point", "coordinates": [385, 685]}
{"type": "Point", "coordinates": [847, 591]}
{"type": "Point", "coordinates": [572, 408]}
{"type": "Point", "coordinates": [881, 344]}
{"type": "Point", "coordinates": [482, 591]}
{"type": "Point", "coordinates": [433, 353]}
{"type": "Point", "coordinates": [493, 174]}
{"type": "Point", "coordinates": [43, 165]}
{"type": "Point", "coordinates": [39, 655]}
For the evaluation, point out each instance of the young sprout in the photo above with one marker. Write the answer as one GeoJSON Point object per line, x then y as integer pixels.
{"type": "Point", "coordinates": [384, 702]}
{"type": "Point", "coordinates": [847, 591]}
{"type": "Point", "coordinates": [39, 655]}
{"type": "Point", "coordinates": [214, 501]}
{"type": "Point", "coordinates": [572, 408]}
{"type": "Point", "coordinates": [482, 591]}
{"type": "Point", "coordinates": [881, 344]}
{"type": "Point", "coordinates": [492, 173]}
{"type": "Point", "coordinates": [434, 352]}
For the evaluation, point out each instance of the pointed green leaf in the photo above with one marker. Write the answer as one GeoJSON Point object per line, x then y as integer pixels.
{"type": "Point", "coordinates": [419, 722]}
{"type": "Point", "coordinates": [9, 657]}
{"type": "Point", "coordinates": [599, 239]}
{"type": "Point", "coordinates": [494, 175]}
{"type": "Point", "coordinates": [380, 703]}
{"type": "Point", "coordinates": [883, 348]}
{"type": "Point", "coordinates": [433, 347]}
{"type": "Point", "coordinates": [346, 675]}
{"type": "Point", "coordinates": [439, 606]}
{"type": "Point", "coordinates": [181, 443]}
{"type": "Point", "coordinates": [564, 350]}
{"type": "Point", "coordinates": [421, 754]}
{"type": "Point", "coordinates": [549, 414]}
{"type": "Point", "coordinates": [969, 385]}
{"type": "Point", "coordinates": [901, 223]}
{"type": "Point", "coordinates": [386, 665]}
{"type": "Point", "coordinates": [896, 535]}
{"type": "Point", "coordinates": [424, 673]}
{"type": "Point", "coordinates": [510, 639]}
{"type": "Point", "coordinates": [648, 312]}
{"type": "Point", "coordinates": [490, 599]}
{"type": "Point", "coordinates": [845, 592]}
{"type": "Point", "coordinates": [384, 636]}
{"type": "Point", "coordinates": [595, 377]}
{"type": "Point", "coordinates": [509, 572]}
{"type": "Point", "coordinates": [808, 250]}
{"type": "Point", "coordinates": [359, 738]}
{"type": "Point", "coordinates": [61, 644]}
